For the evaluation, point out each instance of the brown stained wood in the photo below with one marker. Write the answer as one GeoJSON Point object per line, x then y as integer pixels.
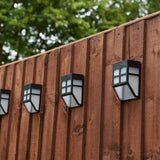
{"type": "Point", "coordinates": [104, 128]}
{"type": "Point", "coordinates": [133, 110]}
{"type": "Point", "coordinates": [50, 110]}
{"type": "Point", "coordinates": [24, 135]}
{"type": "Point", "coordinates": [15, 111]}
{"type": "Point", "coordinates": [2, 77]}
{"type": "Point", "coordinates": [77, 126]}
{"type": "Point", "coordinates": [94, 98]}
{"type": "Point", "coordinates": [63, 113]}
{"type": "Point", "coordinates": [152, 86]}
{"type": "Point", "coordinates": [36, 119]}
{"type": "Point", "coordinates": [2, 83]}
{"type": "Point", "coordinates": [5, 119]}
{"type": "Point", "coordinates": [112, 106]}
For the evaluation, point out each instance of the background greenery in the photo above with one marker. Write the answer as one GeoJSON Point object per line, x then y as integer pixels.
{"type": "Point", "coordinates": [28, 27]}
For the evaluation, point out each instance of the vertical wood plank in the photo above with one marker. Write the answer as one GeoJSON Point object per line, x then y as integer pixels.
{"type": "Point", "coordinates": [2, 82]}
{"type": "Point", "coordinates": [36, 119]}
{"type": "Point", "coordinates": [152, 86]}
{"type": "Point", "coordinates": [111, 126]}
{"type": "Point", "coordinates": [112, 106]}
{"type": "Point", "coordinates": [16, 111]}
{"type": "Point", "coordinates": [63, 112]}
{"type": "Point", "coordinates": [77, 126]}
{"type": "Point", "coordinates": [93, 135]}
{"type": "Point", "coordinates": [50, 110]}
{"type": "Point", "coordinates": [2, 77]}
{"type": "Point", "coordinates": [133, 110]}
{"type": "Point", "coordinates": [24, 135]}
{"type": "Point", "coordinates": [5, 119]}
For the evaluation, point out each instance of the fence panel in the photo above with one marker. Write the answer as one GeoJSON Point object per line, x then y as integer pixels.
{"type": "Point", "coordinates": [152, 86]}
{"type": "Point", "coordinates": [50, 106]}
{"type": "Point", "coordinates": [77, 127]}
{"type": "Point", "coordinates": [94, 100]}
{"type": "Point", "coordinates": [132, 110]}
{"type": "Point", "coordinates": [112, 106]}
{"type": "Point", "coordinates": [63, 115]}
{"type": "Point", "coordinates": [25, 122]}
{"type": "Point", "coordinates": [15, 113]}
{"type": "Point", "coordinates": [36, 119]}
{"type": "Point", "coordinates": [103, 128]}
{"type": "Point", "coordinates": [5, 120]}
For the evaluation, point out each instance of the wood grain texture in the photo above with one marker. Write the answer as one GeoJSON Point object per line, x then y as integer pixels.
{"type": "Point", "coordinates": [50, 110]}
{"type": "Point", "coordinates": [15, 112]}
{"type": "Point", "coordinates": [36, 119]}
{"type": "Point", "coordinates": [2, 82]}
{"type": "Point", "coordinates": [112, 107]}
{"type": "Point", "coordinates": [92, 148]}
{"type": "Point", "coordinates": [63, 116]}
{"type": "Point", "coordinates": [103, 128]}
{"type": "Point", "coordinates": [132, 110]}
{"type": "Point", "coordinates": [77, 126]}
{"type": "Point", "coordinates": [152, 86]}
{"type": "Point", "coordinates": [5, 123]}
{"type": "Point", "coordinates": [24, 135]}
{"type": "Point", "coordinates": [2, 77]}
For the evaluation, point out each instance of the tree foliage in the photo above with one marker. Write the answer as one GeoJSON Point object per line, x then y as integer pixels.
{"type": "Point", "coordinates": [30, 27]}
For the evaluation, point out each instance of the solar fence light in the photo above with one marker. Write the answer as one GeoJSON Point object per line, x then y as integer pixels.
{"type": "Point", "coordinates": [126, 79]}
{"type": "Point", "coordinates": [32, 97]}
{"type": "Point", "coordinates": [72, 89]}
{"type": "Point", "coordinates": [4, 101]}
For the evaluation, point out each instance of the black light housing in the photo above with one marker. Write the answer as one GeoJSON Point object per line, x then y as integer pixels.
{"type": "Point", "coordinates": [72, 90]}
{"type": "Point", "coordinates": [126, 79]}
{"type": "Point", "coordinates": [4, 101]}
{"type": "Point", "coordinates": [32, 97]}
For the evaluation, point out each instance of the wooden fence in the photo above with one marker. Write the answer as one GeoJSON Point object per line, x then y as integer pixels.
{"type": "Point", "coordinates": [104, 128]}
